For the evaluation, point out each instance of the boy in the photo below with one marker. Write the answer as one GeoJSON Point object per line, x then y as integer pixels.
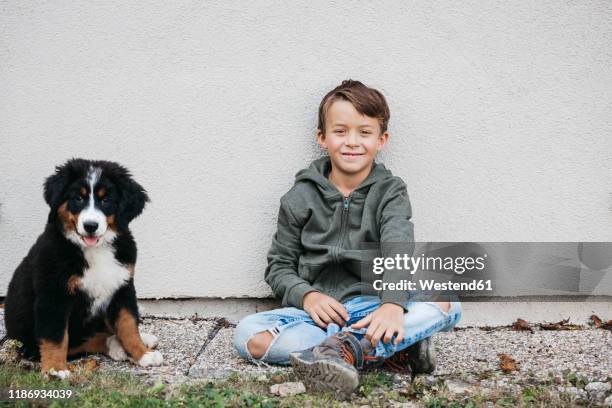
{"type": "Point", "coordinates": [334, 322]}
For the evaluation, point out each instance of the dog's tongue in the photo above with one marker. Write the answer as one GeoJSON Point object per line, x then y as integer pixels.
{"type": "Point", "coordinates": [90, 241]}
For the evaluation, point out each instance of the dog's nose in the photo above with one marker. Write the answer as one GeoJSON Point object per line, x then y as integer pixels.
{"type": "Point", "coordinates": [90, 227]}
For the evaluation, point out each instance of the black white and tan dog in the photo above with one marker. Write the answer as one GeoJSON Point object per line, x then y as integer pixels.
{"type": "Point", "coordinates": [74, 291]}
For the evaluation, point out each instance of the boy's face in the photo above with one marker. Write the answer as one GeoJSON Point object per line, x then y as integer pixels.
{"type": "Point", "coordinates": [351, 139]}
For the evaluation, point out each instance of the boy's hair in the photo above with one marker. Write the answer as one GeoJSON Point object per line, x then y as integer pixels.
{"type": "Point", "coordinates": [367, 101]}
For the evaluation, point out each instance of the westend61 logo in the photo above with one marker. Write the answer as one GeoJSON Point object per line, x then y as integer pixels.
{"type": "Point", "coordinates": [458, 265]}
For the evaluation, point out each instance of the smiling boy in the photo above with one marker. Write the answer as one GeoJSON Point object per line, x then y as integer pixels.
{"type": "Point", "coordinates": [333, 321]}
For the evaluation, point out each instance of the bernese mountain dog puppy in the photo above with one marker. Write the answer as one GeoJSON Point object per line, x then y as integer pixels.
{"type": "Point", "coordinates": [74, 291]}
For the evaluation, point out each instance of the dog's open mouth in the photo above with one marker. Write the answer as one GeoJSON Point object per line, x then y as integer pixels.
{"type": "Point", "coordinates": [90, 241]}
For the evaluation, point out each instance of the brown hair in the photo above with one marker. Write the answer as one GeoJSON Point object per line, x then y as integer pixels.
{"type": "Point", "coordinates": [367, 101]}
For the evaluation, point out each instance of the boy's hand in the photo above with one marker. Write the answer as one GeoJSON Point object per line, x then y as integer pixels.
{"type": "Point", "coordinates": [383, 323]}
{"type": "Point", "coordinates": [324, 309]}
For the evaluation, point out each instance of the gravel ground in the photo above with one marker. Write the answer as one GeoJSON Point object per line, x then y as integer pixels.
{"type": "Point", "coordinates": [578, 361]}
{"type": "Point", "coordinates": [180, 342]}
{"type": "Point", "coordinates": [219, 360]}
{"type": "Point", "coordinates": [468, 359]}
{"type": "Point", "coordinates": [469, 351]}
{"type": "Point", "coordinates": [586, 352]}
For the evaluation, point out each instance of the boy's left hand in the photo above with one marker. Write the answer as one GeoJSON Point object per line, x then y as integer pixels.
{"type": "Point", "coordinates": [383, 323]}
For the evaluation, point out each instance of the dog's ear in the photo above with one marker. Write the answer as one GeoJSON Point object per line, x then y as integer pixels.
{"type": "Point", "coordinates": [132, 201]}
{"type": "Point", "coordinates": [54, 188]}
{"type": "Point", "coordinates": [55, 185]}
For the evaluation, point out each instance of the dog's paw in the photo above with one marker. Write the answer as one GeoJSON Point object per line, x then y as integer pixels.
{"type": "Point", "coordinates": [149, 340]}
{"type": "Point", "coordinates": [61, 374]}
{"type": "Point", "coordinates": [115, 349]}
{"type": "Point", "coordinates": [151, 358]}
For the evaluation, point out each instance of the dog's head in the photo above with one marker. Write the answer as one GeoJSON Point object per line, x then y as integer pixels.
{"type": "Point", "coordinates": [93, 200]}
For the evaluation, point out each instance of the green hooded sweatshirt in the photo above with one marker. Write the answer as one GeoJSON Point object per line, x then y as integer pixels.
{"type": "Point", "coordinates": [319, 242]}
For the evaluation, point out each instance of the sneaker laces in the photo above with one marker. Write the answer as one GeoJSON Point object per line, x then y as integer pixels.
{"type": "Point", "coordinates": [398, 362]}
{"type": "Point", "coordinates": [345, 346]}
{"type": "Point", "coordinates": [347, 354]}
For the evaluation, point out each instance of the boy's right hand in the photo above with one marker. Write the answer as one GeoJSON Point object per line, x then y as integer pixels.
{"type": "Point", "coordinates": [325, 309]}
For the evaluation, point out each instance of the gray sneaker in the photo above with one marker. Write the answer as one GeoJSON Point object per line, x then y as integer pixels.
{"type": "Point", "coordinates": [419, 358]}
{"type": "Point", "coordinates": [333, 364]}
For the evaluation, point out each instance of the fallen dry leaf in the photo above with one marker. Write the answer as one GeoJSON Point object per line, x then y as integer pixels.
{"type": "Point", "coordinates": [223, 323]}
{"type": "Point", "coordinates": [600, 324]}
{"type": "Point", "coordinates": [521, 325]}
{"type": "Point", "coordinates": [596, 321]}
{"type": "Point", "coordinates": [87, 365]}
{"type": "Point", "coordinates": [90, 364]}
{"type": "Point", "coordinates": [507, 363]}
{"type": "Point", "coordinates": [561, 325]}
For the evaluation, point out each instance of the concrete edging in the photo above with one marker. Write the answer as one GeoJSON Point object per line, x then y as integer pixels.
{"type": "Point", "coordinates": [497, 312]}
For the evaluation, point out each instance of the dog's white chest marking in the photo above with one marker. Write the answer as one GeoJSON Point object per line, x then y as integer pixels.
{"type": "Point", "coordinates": [103, 276]}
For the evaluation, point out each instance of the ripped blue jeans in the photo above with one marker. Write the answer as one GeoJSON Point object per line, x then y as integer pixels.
{"type": "Point", "coordinates": [293, 330]}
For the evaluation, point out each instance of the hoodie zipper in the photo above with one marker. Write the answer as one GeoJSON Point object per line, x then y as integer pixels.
{"type": "Point", "coordinates": [346, 202]}
{"type": "Point", "coordinates": [345, 212]}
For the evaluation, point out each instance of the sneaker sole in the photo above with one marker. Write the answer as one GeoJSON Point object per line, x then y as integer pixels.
{"type": "Point", "coordinates": [326, 375]}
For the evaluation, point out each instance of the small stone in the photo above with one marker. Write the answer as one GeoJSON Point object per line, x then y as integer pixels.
{"type": "Point", "coordinates": [288, 389]}
{"type": "Point", "coordinates": [457, 386]}
{"type": "Point", "coordinates": [277, 379]}
{"type": "Point", "coordinates": [404, 405]}
{"type": "Point", "coordinates": [608, 402]}
{"type": "Point", "coordinates": [598, 387]}
{"type": "Point", "coordinates": [578, 393]}
{"type": "Point", "coordinates": [597, 390]}
{"type": "Point", "coordinates": [570, 390]}
{"type": "Point", "coordinates": [427, 381]}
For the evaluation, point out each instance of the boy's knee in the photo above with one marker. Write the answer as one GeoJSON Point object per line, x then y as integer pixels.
{"type": "Point", "coordinates": [242, 333]}
{"type": "Point", "coordinates": [250, 340]}
{"type": "Point", "coordinates": [258, 345]}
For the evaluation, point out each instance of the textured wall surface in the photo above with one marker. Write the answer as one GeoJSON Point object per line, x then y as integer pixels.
{"type": "Point", "coordinates": [501, 119]}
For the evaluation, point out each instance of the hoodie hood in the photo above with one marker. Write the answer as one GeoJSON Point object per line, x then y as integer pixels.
{"type": "Point", "coordinates": [318, 171]}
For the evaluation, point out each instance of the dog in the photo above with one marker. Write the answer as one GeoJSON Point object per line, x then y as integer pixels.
{"type": "Point", "coordinates": [74, 291]}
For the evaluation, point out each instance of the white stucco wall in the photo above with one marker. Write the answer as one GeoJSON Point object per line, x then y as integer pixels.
{"type": "Point", "coordinates": [501, 119]}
